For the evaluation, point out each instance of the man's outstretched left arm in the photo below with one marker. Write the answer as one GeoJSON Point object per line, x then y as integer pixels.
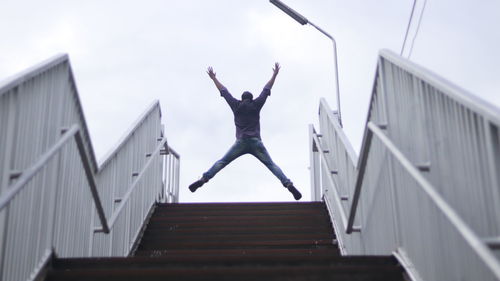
{"type": "Point", "coordinates": [276, 69]}
{"type": "Point", "coordinates": [211, 74]}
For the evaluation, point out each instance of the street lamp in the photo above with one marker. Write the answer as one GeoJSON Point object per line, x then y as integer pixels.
{"type": "Point", "coordinates": [303, 20]}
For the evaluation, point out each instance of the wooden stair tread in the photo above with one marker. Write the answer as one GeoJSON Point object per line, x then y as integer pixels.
{"type": "Point", "coordinates": [233, 241]}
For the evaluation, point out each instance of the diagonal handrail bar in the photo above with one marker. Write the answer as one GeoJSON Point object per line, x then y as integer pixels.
{"type": "Point", "coordinates": [126, 197]}
{"type": "Point", "coordinates": [74, 133]}
{"type": "Point", "coordinates": [467, 233]}
{"type": "Point", "coordinates": [30, 172]}
{"type": "Point", "coordinates": [106, 159]}
{"type": "Point", "coordinates": [478, 245]}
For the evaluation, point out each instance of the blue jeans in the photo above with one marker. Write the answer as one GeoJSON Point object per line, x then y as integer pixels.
{"type": "Point", "coordinates": [253, 146]}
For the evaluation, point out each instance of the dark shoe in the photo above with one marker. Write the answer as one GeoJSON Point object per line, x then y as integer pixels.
{"type": "Point", "coordinates": [294, 191]}
{"type": "Point", "coordinates": [197, 184]}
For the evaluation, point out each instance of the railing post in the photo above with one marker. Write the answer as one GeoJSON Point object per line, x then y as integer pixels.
{"type": "Point", "coordinates": [493, 152]}
{"type": "Point", "coordinates": [314, 166]}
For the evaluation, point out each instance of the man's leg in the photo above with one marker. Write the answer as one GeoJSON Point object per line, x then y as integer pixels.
{"type": "Point", "coordinates": [239, 148]}
{"type": "Point", "coordinates": [260, 152]}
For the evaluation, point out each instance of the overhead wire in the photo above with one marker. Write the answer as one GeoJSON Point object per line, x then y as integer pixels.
{"type": "Point", "coordinates": [418, 29]}
{"type": "Point", "coordinates": [408, 27]}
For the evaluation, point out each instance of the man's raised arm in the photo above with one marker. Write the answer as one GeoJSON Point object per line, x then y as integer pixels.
{"type": "Point", "coordinates": [211, 74]}
{"type": "Point", "coordinates": [223, 91]}
{"type": "Point", "coordinates": [276, 69]}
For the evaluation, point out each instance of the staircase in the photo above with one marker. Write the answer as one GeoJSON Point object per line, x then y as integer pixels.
{"type": "Point", "coordinates": [233, 241]}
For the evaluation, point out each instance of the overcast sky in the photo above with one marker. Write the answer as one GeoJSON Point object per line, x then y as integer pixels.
{"type": "Point", "coordinates": [125, 54]}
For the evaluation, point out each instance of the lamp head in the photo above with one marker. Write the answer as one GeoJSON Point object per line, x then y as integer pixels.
{"type": "Point", "coordinates": [289, 11]}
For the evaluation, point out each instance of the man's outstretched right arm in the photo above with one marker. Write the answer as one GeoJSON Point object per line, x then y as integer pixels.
{"type": "Point", "coordinates": [211, 74]}
{"type": "Point", "coordinates": [223, 91]}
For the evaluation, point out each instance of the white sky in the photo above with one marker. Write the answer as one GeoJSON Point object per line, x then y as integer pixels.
{"type": "Point", "coordinates": [125, 54]}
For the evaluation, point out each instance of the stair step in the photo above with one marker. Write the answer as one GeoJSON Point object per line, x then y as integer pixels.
{"type": "Point", "coordinates": [241, 229]}
{"type": "Point", "coordinates": [309, 272]}
{"type": "Point", "coordinates": [235, 223]}
{"type": "Point", "coordinates": [216, 260]}
{"type": "Point", "coordinates": [243, 212]}
{"type": "Point", "coordinates": [194, 237]}
{"type": "Point", "coordinates": [243, 205]}
{"type": "Point", "coordinates": [235, 217]}
{"type": "Point", "coordinates": [209, 254]}
{"type": "Point", "coordinates": [224, 244]}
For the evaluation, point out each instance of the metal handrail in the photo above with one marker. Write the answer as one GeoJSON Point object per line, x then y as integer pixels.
{"type": "Point", "coordinates": [173, 152]}
{"type": "Point", "coordinates": [74, 132]}
{"type": "Point", "coordinates": [114, 151]}
{"type": "Point", "coordinates": [347, 144]}
{"type": "Point", "coordinates": [459, 94]}
{"type": "Point", "coordinates": [13, 81]}
{"type": "Point", "coordinates": [336, 195]}
{"type": "Point", "coordinates": [29, 173]}
{"type": "Point", "coordinates": [379, 118]}
{"type": "Point", "coordinates": [447, 88]}
{"type": "Point", "coordinates": [49, 81]}
{"type": "Point", "coordinates": [475, 243]}
{"type": "Point", "coordinates": [465, 97]}
{"type": "Point", "coordinates": [126, 197]}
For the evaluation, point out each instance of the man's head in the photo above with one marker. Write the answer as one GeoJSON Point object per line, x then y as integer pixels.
{"type": "Point", "coordinates": [246, 96]}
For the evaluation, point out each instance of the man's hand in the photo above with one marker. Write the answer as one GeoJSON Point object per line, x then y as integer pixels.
{"type": "Point", "coordinates": [211, 72]}
{"type": "Point", "coordinates": [276, 68]}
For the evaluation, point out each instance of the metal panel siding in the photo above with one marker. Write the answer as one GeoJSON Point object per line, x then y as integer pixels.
{"type": "Point", "coordinates": [116, 177]}
{"type": "Point", "coordinates": [452, 137]}
{"type": "Point", "coordinates": [55, 209]}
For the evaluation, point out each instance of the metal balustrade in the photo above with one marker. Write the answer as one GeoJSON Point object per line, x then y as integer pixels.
{"type": "Point", "coordinates": [55, 199]}
{"type": "Point", "coordinates": [426, 184]}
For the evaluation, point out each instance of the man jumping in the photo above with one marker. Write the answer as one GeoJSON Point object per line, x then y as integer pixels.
{"type": "Point", "coordinates": [246, 118]}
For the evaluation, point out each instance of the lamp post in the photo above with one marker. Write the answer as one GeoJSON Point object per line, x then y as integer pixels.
{"type": "Point", "coordinates": [303, 20]}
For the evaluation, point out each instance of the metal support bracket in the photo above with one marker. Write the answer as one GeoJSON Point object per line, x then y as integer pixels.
{"type": "Point", "coordinates": [356, 228]}
{"type": "Point", "coordinates": [64, 130]}
{"type": "Point", "coordinates": [14, 174]}
{"type": "Point", "coordinates": [492, 242]}
{"type": "Point", "coordinates": [382, 126]}
{"type": "Point", "coordinates": [98, 230]}
{"type": "Point", "coordinates": [424, 167]}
